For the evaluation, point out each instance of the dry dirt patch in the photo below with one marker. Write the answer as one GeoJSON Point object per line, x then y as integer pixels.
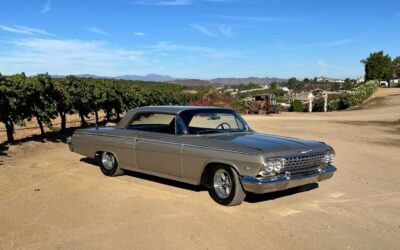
{"type": "Point", "coordinates": [51, 198]}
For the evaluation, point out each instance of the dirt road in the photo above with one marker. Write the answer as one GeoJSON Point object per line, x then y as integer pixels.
{"type": "Point", "coordinates": [53, 199]}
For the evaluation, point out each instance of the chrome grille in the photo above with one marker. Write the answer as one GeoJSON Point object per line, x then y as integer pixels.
{"type": "Point", "coordinates": [303, 163]}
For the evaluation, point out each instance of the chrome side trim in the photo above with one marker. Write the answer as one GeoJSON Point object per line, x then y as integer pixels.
{"type": "Point", "coordinates": [218, 149]}
{"type": "Point", "coordinates": [168, 142]}
{"type": "Point", "coordinates": [115, 136]}
{"type": "Point", "coordinates": [141, 139]}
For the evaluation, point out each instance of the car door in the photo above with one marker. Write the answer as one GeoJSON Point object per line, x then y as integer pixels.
{"type": "Point", "coordinates": [158, 149]}
{"type": "Point", "coordinates": [126, 142]}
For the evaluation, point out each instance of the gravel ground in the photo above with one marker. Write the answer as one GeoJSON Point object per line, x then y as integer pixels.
{"type": "Point", "coordinates": [53, 199]}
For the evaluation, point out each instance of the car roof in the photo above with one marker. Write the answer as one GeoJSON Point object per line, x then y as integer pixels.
{"type": "Point", "coordinates": [173, 109]}
{"type": "Point", "coordinates": [164, 109]}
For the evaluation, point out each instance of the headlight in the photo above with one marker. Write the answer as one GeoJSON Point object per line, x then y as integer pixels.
{"type": "Point", "coordinates": [272, 166]}
{"type": "Point", "coordinates": [328, 158]}
{"type": "Point", "coordinates": [331, 157]}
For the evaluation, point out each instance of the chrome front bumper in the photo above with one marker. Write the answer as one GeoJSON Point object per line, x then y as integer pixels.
{"type": "Point", "coordinates": [277, 183]}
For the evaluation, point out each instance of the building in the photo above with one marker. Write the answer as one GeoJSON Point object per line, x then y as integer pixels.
{"type": "Point", "coordinates": [394, 83]}
{"type": "Point", "coordinates": [326, 79]}
{"type": "Point", "coordinates": [304, 97]}
{"type": "Point", "coordinates": [360, 79]}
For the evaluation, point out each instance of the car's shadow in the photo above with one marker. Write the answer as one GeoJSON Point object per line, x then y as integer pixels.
{"type": "Point", "coordinates": [254, 198]}
{"type": "Point", "coordinates": [152, 178]}
{"type": "Point", "coordinates": [250, 197]}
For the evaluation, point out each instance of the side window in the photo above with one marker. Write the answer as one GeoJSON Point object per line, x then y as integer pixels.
{"type": "Point", "coordinates": [154, 122]}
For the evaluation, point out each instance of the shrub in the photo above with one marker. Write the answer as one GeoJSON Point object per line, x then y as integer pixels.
{"type": "Point", "coordinates": [297, 106]}
{"type": "Point", "coordinates": [319, 105]}
{"type": "Point", "coordinates": [240, 104]}
{"type": "Point", "coordinates": [359, 94]}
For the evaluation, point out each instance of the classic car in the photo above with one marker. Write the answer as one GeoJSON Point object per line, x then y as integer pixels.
{"type": "Point", "coordinates": [209, 146]}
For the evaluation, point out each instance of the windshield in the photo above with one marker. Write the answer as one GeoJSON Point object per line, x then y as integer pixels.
{"type": "Point", "coordinates": [207, 121]}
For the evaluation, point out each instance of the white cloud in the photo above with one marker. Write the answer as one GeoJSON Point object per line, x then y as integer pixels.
{"type": "Point", "coordinates": [99, 31]}
{"type": "Point", "coordinates": [213, 53]}
{"type": "Point", "coordinates": [162, 2]}
{"type": "Point", "coordinates": [226, 30]}
{"type": "Point", "coordinates": [323, 45]}
{"type": "Point", "coordinates": [202, 29]}
{"type": "Point", "coordinates": [258, 18]}
{"type": "Point", "coordinates": [63, 56]}
{"type": "Point", "coordinates": [139, 34]}
{"type": "Point", "coordinates": [324, 68]}
{"type": "Point", "coordinates": [218, 1]}
{"type": "Point", "coordinates": [46, 7]}
{"type": "Point", "coordinates": [25, 30]}
{"type": "Point", "coordinates": [175, 2]}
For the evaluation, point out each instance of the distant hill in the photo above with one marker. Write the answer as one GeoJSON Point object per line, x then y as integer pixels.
{"type": "Point", "coordinates": [217, 82]}
{"type": "Point", "coordinates": [257, 80]}
{"type": "Point", "coordinates": [192, 82]}
{"type": "Point", "coordinates": [149, 77]}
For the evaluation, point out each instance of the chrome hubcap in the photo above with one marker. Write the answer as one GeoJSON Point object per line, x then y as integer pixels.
{"type": "Point", "coordinates": [108, 160]}
{"type": "Point", "coordinates": [222, 183]}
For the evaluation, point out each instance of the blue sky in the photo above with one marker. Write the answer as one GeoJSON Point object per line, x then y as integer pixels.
{"type": "Point", "coordinates": [196, 38]}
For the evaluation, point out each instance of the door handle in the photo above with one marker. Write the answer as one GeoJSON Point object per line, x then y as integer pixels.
{"type": "Point", "coordinates": [138, 139]}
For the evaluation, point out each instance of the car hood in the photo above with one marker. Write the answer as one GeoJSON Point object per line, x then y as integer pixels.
{"type": "Point", "coordinates": [268, 144]}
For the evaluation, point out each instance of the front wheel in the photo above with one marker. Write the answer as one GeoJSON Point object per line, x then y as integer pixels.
{"type": "Point", "coordinates": [225, 187]}
{"type": "Point", "coordinates": [109, 164]}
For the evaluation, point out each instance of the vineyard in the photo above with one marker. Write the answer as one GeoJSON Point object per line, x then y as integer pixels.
{"type": "Point", "coordinates": [44, 98]}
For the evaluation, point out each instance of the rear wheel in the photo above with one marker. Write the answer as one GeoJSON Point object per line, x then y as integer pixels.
{"type": "Point", "coordinates": [109, 164]}
{"type": "Point", "coordinates": [225, 187]}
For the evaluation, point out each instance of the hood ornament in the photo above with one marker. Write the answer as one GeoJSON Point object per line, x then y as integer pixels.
{"type": "Point", "coordinates": [305, 151]}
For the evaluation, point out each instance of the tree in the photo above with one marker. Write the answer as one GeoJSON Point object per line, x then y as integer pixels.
{"type": "Point", "coordinates": [81, 95]}
{"type": "Point", "coordinates": [378, 66]}
{"type": "Point", "coordinates": [99, 97]}
{"type": "Point", "coordinates": [60, 94]}
{"type": "Point", "coordinates": [13, 107]}
{"type": "Point", "coordinates": [348, 85]}
{"type": "Point", "coordinates": [273, 85]}
{"type": "Point", "coordinates": [335, 86]}
{"type": "Point", "coordinates": [292, 82]}
{"type": "Point", "coordinates": [306, 80]}
{"type": "Point", "coordinates": [39, 101]}
{"type": "Point", "coordinates": [396, 65]}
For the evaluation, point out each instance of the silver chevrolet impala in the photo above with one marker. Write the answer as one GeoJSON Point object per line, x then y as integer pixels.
{"type": "Point", "coordinates": [207, 146]}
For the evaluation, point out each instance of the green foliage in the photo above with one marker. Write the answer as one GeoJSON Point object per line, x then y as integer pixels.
{"type": "Point", "coordinates": [243, 86]}
{"type": "Point", "coordinates": [396, 65]}
{"type": "Point", "coordinates": [319, 105]}
{"type": "Point", "coordinates": [40, 103]}
{"type": "Point", "coordinates": [14, 107]}
{"type": "Point", "coordinates": [378, 66]}
{"type": "Point", "coordinates": [239, 104]}
{"type": "Point", "coordinates": [296, 85]}
{"type": "Point", "coordinates": [292, 83]}
{"type": "Point", "coordinates": [334, 103]}
{"type": "Point", "coordinates": [297, 106]}
{"type": "Point", "coordinates": [359, 94]}
{"type": "Point", "coordinates": [41, 97]}
{"type": "Point", "coordinates": [335, 86]}
{"type": "Point", "coordinates": [348, 85]}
